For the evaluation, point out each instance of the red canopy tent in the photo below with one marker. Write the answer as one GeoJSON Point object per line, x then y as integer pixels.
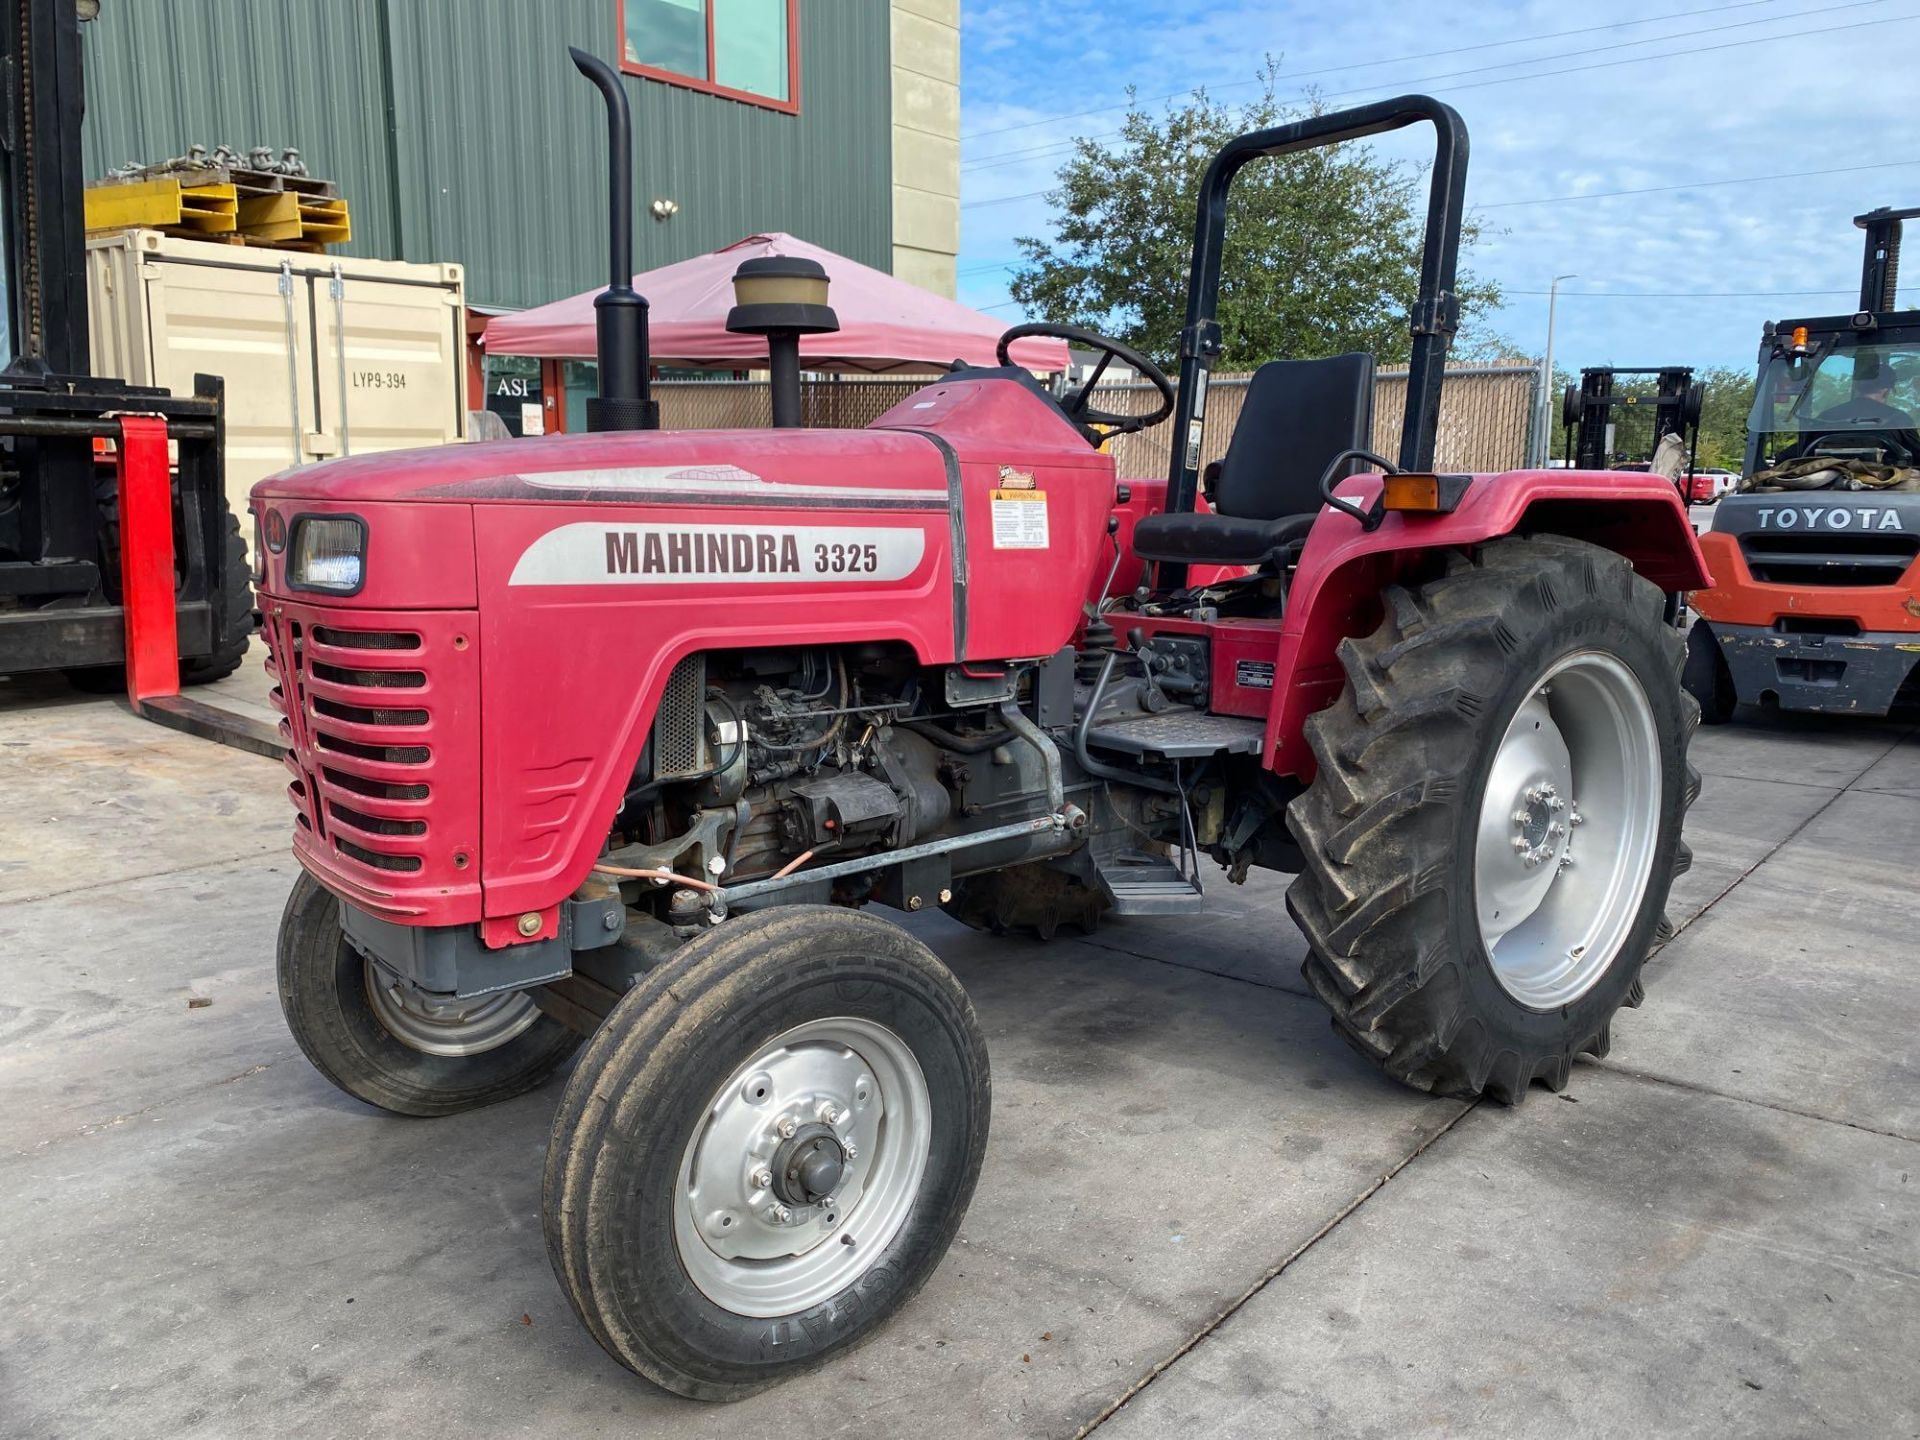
{"type": "Point", "coordinates": [886, 325]}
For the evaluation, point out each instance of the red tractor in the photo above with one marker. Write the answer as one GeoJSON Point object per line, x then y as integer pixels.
{"type": "Point", "coordinates": [613, 736]}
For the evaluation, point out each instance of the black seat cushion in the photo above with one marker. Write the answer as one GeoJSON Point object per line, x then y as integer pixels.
{"type": "Point", "coordinates": [1298, 415]}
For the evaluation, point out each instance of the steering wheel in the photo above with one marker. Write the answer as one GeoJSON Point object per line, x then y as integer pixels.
{"type": "Point", "coordinates": [1077, 406]}
{"type": "Point", "coordinates": [1890, 444]}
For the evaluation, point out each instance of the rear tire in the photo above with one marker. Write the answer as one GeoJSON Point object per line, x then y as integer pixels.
{"type": "Point", "coordinates": [1393, 829]}
{"type": "Point", "coordinates": [1706, 676]}
{"type": "Point", "coordinates": [399, 1055]}
{"type": "Point", "coordinates": [664, 1237]}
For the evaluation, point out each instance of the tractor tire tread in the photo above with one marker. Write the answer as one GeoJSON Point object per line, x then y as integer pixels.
{"type": "Point", "coordinates": [1374, 828]}
{"type": "Point", "coordinates": [630, 1068]}
{"type": "Point", "coordinates": [322, 994]}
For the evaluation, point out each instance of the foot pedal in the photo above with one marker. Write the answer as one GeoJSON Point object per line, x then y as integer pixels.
{"type": "Point", "coordinates": [1140, 884]}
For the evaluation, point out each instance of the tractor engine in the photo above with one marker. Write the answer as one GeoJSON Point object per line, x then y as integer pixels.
{"type": "Point", "coordinates": [761, 761]}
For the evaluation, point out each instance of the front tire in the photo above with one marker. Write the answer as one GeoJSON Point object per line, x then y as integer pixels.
{"type": "Point", "coordinates": [403, 1053]}
{"type": "Point", "coordinates": [1462, 934]}
{"type": "Point", "coordinates": [766, 1149]}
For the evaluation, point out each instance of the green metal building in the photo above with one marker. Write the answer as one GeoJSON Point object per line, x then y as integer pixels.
{"type": "Point", "coordinates": [458, 130]}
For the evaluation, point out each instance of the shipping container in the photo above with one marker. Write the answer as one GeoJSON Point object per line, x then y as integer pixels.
{"type": "Point", "coordinates": [322, 355]}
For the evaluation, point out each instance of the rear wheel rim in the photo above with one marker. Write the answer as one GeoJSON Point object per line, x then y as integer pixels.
{"type": "Point", "coordinates": [452, 1028]}
{"type": "Point", "coordinates": [846, 1094]}
{"type": "Point", "coordinates": [1569, 825]}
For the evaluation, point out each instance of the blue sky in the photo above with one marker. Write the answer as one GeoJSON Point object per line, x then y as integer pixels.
{"type": "Point", "coordinates": [1700, 91]}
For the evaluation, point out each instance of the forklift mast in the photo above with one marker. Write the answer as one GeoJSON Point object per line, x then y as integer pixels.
{"type": "Point", "coordinates": [1880, 268]}
{"type": "Point", "coordinates": [1588, 412]}
{"type": "Point", "coordinates": [44, 200]}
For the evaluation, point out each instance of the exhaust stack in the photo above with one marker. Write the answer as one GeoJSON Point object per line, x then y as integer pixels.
{"type": "Point", "coordinates": [625, 401]}
{"type": "Point", "coordinates": [1880, 269]}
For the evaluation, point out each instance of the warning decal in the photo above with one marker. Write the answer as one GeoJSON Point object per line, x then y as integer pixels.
{"type": "Point", "coordinates": [1019, 519]}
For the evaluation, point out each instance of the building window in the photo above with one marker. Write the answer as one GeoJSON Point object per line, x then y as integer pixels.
{"type": "Point", "coordinates": [743, 49]}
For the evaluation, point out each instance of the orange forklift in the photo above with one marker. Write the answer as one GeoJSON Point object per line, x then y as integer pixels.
{"type": "Point", "coordinates": [1815, 604]}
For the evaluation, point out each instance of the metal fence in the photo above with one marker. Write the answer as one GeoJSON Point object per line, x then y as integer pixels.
{"type": "Point", "coordinates": [834, 403]}
{"type": "Point", "coordinates": [1486, 413]}
{"type": "Point", "coordinates": [1486, 418]}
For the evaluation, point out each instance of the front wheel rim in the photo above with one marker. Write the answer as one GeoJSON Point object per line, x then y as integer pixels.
{"type": "Point", "coordinates": [1569, 825]}
{"type": "Point", "coordinates": [802, 1167]}
{"type": "Point", "coordinates": [449, 1028]}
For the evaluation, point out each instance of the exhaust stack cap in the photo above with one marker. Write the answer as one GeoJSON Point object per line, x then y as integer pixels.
{"type": "Point", "coordinates": [775, 294]}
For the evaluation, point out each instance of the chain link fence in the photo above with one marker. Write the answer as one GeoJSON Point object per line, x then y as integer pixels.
{"type": "Point", "coordinates": [831, 403]}
{"type": "Point", "coordinates": [1486, 413]}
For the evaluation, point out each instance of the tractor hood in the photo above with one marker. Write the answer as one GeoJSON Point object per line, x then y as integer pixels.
{"type": "Point", "coordinates": [818, 469]}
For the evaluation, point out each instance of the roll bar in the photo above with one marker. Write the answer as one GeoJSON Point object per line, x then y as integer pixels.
{"type": "Point", "coordinates": [1436, 311]}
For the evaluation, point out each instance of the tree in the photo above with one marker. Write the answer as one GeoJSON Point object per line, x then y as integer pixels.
{"type": "Point", "coordinates": [1322, 252]}
{"type": "Point", "coordinates": [1723, 415]}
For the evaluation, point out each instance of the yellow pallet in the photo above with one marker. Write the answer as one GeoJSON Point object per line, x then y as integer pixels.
{"type": "Point", "coordinates": [324, 222]}
{"type": "Point", "coordinates": [268, 219]}
{"type": "Point", "coordinates": [163, 204]}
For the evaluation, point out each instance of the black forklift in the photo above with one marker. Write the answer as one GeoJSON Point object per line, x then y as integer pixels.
{"type": "Point", "coordinates": [1591, 413]}
{"type": "Point", "coordinates": [67, 598]}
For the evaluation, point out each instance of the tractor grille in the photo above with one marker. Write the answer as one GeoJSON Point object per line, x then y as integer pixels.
{"type": "Point", "coordinates": [1829, 559]}
{"type": "Point", "coordinates": [372, 706]}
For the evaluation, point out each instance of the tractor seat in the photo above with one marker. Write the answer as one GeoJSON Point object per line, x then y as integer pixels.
{"type": "Point", "coordinates": [1298, 415]}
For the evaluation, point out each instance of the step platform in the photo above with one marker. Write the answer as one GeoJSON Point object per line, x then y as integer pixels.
{"type": "Point", "coordinates": [1141, 884]}
{"type": "Point", "coordinates": [1179, 734]}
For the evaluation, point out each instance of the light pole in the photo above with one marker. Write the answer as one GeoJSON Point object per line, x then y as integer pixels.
{"type": "Point", "coordinates": [1545, 445]}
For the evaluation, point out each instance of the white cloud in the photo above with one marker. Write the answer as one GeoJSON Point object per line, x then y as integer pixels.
{"type": "Point", "coordinates": [1679, 113]}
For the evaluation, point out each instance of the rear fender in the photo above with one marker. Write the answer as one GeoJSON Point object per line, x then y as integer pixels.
{"type": "Point", "coordinates": [1344, 568]}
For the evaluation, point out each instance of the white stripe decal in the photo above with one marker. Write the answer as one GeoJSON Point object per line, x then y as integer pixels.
{"type": "Point", "coordinates": [711, 480]}
{"type": "Point", "coordinates": [604, 554]}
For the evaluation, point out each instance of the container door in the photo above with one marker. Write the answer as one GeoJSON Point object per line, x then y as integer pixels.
{"type": "Point", "coordinates": [391, 363]}
{"type": "Point", "coordinates": [241, 324]}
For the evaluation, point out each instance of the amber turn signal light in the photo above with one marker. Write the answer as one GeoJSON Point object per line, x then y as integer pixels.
{"type": "Point", "coordinates": [1416, 493]}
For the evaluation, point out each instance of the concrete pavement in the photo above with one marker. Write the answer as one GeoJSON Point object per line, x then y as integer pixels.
{"type": "Point", "coordinates": [1200, 1213]}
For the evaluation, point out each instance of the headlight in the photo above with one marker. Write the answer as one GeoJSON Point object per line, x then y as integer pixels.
{"type": "Point", "coordinates": [328, 552]}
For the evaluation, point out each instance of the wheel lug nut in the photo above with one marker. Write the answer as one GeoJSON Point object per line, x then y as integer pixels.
{"type": "Point", "coordinates": [1520, 844]}
{"type": "Point", "coordinates": [1521, 817]}
{"type": "Point", "coordinates": [1576, 818]}
{"type": "Point", "coordinates": [849, 1149]}
{"type": "Point", "coordinates": [787, 1127]}
{"type": "Point", "coordinates": [762, 1178]}
{"type": "Point", "coordinates": [779, 1214]}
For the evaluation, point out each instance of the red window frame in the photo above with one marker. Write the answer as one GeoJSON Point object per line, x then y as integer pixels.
{"type": "Point", "coordinates": [789, 106]}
